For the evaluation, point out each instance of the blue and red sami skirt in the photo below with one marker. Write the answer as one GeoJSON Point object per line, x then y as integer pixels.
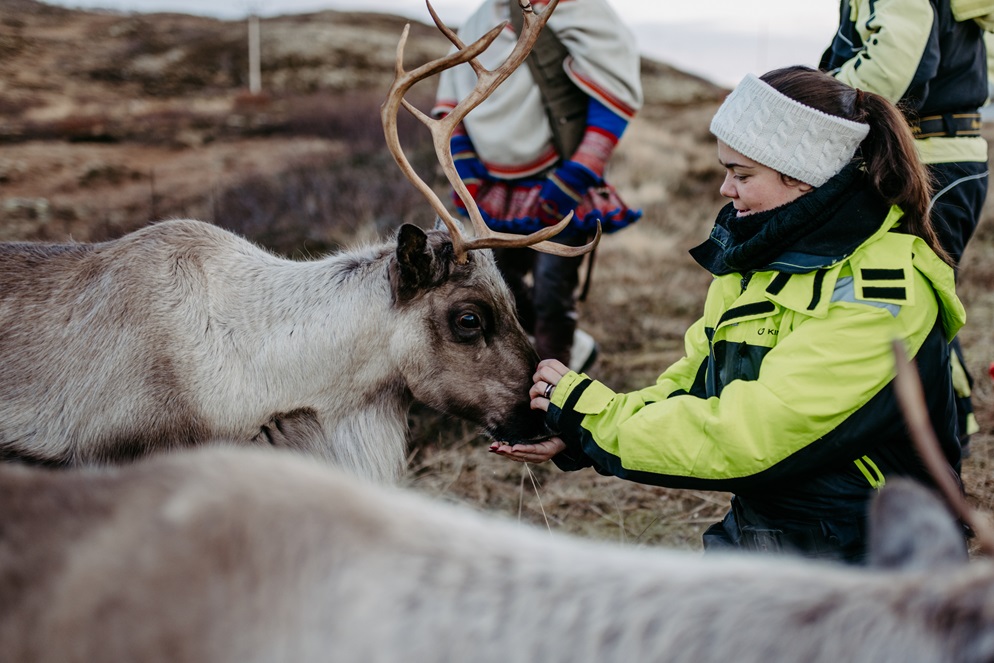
{"type": "Point", "coordinates": [511, 206]}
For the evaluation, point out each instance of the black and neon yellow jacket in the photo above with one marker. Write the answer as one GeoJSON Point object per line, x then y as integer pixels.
{"type": "Point", "coordinates": [917, 54]}
{"type": "Point", "coordinates": [785, 393]}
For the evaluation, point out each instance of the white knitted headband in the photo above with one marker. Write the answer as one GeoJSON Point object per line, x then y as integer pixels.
{"type": "Point", "coordinates": [770, 128]}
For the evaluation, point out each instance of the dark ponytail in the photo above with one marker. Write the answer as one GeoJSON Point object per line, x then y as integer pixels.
{"type": "Point", "coordinates": [888, 152]}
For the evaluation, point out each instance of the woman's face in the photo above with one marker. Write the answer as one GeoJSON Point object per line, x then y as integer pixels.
{"type": "Point", "coordinates": [754, 187]}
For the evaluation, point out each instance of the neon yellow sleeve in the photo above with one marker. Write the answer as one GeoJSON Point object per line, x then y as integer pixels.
{"type": "Point", "coordinates": [895, 37]}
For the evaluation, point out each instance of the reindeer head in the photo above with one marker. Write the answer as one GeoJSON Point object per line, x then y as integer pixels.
{"type": "Point", "coordinates": [466, 312]}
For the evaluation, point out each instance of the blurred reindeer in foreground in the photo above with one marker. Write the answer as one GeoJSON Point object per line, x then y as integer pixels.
{"type": "Point", "coordinates": [253, 555]}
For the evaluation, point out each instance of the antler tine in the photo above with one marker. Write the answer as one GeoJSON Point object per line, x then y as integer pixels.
{"type": "Point", "coordinates": [443, 128]}
{"type": "Point", "coordinates": [448, 32]}
{"type": "Point", "coordinates": [403, 81]}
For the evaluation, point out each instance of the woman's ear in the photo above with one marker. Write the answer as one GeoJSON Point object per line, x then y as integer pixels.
{"type": "Point", "coordinates": [803, 187]}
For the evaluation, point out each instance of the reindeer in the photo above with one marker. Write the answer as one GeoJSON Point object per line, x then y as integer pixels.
{"type": "Point", "coordinates": [181, 333]}
{"type": "Point", "coordinates": [257, 555]}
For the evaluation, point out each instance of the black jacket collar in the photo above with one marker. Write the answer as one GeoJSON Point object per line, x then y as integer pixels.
{"type": "Point", "coordinates": [815, 231]}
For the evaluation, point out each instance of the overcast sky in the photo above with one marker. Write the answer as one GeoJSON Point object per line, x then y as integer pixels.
{"type": "Point", "coordinates": [719, 39]}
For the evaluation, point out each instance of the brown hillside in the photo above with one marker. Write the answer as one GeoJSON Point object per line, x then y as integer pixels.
{"type": "Point", "coordinates": [152, 111]}
{"type": "Point", "coordinates": [110, 121]}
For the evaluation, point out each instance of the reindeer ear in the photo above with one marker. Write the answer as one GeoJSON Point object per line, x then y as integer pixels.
{"type": "Point", "coordinates": [910, 528]}
{"type": "Point", "coordinates": [412, 272]}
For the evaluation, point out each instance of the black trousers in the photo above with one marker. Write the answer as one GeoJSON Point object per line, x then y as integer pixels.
{"type": "Point", "coordinates": [545, 294]}
{"type": "Point", "coordinates": [960, 192]}
{"type": "Point", "coordinates": [742, 529]}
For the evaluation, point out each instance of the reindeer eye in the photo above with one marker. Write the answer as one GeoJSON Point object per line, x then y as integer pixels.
{"type": "Point", "coordinates": [469, 322]}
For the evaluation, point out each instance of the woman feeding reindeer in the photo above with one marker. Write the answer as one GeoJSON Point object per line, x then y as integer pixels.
{"type": "Point", "coordinates": [824, 256]}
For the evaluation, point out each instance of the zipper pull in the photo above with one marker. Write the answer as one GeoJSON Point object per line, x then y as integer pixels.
{"type": "Point", "coordinates": [745, 281]}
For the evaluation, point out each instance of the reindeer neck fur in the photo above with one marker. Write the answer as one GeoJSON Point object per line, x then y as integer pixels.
{"type": "Point", "coordinates": [361, 402]}
{"type": "Point", "coordinates": [275, 321]}
{"type": "Point", "coordinates": [264, 322]}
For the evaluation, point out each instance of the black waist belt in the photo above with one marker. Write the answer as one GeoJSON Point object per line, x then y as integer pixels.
{"type": "Point", "coordinates": [947, 125]}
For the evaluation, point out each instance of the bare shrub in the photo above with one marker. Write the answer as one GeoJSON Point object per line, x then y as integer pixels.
{"type": "Point", "coordinates": [104, 174]}
{"type": "Point", "coordinates": [353, 115]}
{"type": "Point", "coordinates": [173, 56]}
{"type": "Point", "coordinates": [13, 106]}
{"type": "Point", "coordinates": [319, 205]}
{"type": "Point", "coordinates": [316, 206]}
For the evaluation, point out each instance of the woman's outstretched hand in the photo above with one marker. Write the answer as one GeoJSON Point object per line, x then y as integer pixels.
{"type": "Point", "coordinates": [538, 452]}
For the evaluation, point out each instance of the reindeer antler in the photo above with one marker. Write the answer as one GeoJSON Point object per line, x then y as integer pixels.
{"type": "Point", "coordinates": [443, 128]}
{"type": "Point", "coordinates": [911, 398]}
